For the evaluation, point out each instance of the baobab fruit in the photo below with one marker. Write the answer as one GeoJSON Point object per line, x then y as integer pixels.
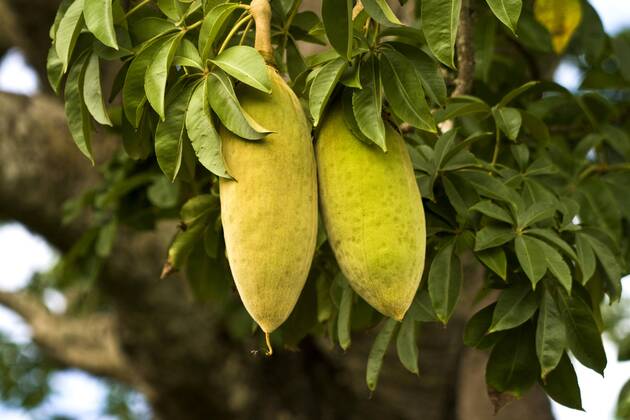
{"type": "Point", "coordinates": [269, 209]}
{"type": "Point", "coordinates": [373, 214]}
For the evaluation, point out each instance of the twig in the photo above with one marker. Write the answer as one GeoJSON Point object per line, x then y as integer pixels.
{"type": "Point", "coordinates": [465, 52]}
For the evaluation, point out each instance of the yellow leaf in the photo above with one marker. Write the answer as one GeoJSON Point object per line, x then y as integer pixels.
{"type": "Point", "coordinates": [561, 18]}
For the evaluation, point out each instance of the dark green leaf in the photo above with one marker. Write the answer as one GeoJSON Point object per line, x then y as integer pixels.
{"type": "Point", "coordinates": [562, 386]}
{"type": "Point", "coordinates": [428, 71]}
{"type": "Point", "coordinates": [380, 11]}
{"type": "Point", "coordinates": [421, 309]}
{"type": "Point", "coordinates": [551, 339]}
{"type": "Point", "coordinates": [512, 366]}
{"type": "Point", "coordinates": [557, 266]}
{"type": "Point", "coordinates": [553, 238]}
{"type": "Point", "coordinates": [535, 213]}
{"type": "Point", "coordinates": [379, 348]}
{"type": "Point", "coordinates": [337, 18]}
{"type": "Point", "coordinates": [585, 257]}
{"type": "Point", "coordinates": [516, 305]}
{"type": "Point", "coordinates": [508, 120]}
{"type": "Point", "coordinates": [406, 345]}
{"type": "Point", "coordinates": [492, 210]}
{"type": "Point", "coordinates": [477, 327]}
{"type": "Point", "coordinates": [440, 20]}
{"type": "Point", "coordinates": [495, 260]}
{"type": "Point", "coordinates": [445, 281]}
{"type": "Point", "coordinates": [404, 92]}
{"type": "Point", "coordinates": [491, 236]}
{"type": "Point", "coordinates": [583, 336]}
{"type": "Point", "coordinates": [530, 254]}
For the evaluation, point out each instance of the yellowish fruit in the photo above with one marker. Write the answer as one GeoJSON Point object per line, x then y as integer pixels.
{"type": "Point", "coordinates": [373, 214]}
{"type": "Point", "coordinates": [269, 212]}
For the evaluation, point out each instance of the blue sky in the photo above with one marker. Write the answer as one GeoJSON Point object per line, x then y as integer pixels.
{"type": "Point", "coordinates": [81, 396]}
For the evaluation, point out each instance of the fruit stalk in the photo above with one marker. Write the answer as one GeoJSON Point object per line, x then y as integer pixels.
{"type": "Point", "coordinates": [261, 12]}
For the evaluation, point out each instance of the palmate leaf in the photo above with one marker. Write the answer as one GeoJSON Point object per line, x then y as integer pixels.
{"type": "Point", "coordinates": [515, 306]}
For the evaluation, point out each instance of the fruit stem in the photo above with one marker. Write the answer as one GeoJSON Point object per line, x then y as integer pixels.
{"type": "Point", "coordinates": [269, 348]}
{"type": "Point", "coordinates": [261, 12]}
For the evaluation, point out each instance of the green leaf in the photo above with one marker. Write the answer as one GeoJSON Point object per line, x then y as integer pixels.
{"type": "Point", "coordinates": [427, 70]}
{"type": "Point", "coordinates": [337, 19]}
{"type": "Point", "coordinates": [561, 384]}
{"type": "Point", "coordinates": [162, 193]}
{"type": "Point", "coordinates": [68, 32]}
{"type": "Point", "coordinates": [170, 133]}
{"type": "Point", "coordinates": [133, 94]}
{"type": "Point", "coordinates": [106, 237]}
{"type": "Point", "coordinates": [531, 257]}
{"type": "Point", "coordinates": [495, 260]}
{"type": "Point", "coordinates": [421, 309]}
{"type": "Point", "coordinates": [610, 264]}
{"type": "Point", "coordinates": [245, 64]}
{"type": "Point", "coordinates": [491, 236]}
{"type": "Point", "coordinates": [54, 70]}
{"type": "Point", "coordinates": [147, 29]}
{"type": "Point", "coordinates": [557, 266]}
{"type": "Point", "coordinates": [492, 210]}
{"type": "Point", "coordinates": [212, 25]}
{"type": "Point", "coordinates": [184, 243]}
{"type": "Point", "coordinates": [537, 212]}
{"type": "Point", "coordinates": [92, 92]}
{"type": "Point", "coordinates": [322, 87]}
{"type": "Point", "coordinates": [157, 73]}
{"type": "Point", "coordinates": [173, 9]}
{"type": "Point", "coordinates": [508, 120]}
{"type": "Point", "coordinates": [187, 55]}
{"type": "Point", "coordinates": [514, 93]}
{"type": "Point", "coordinates": [440, 20]}
{"type": "Point", "coordinates": [553, 238]}
{"type": "Point", "coordinates": [623, 402]}
{"type": "Point", "coordinates": [344, 317]}
{"type": "Point", "coordinates": [76, 112]}
{"type": "Point", "coordinates": [99, 19]}
{"type": "Point", "coordinates": [445, 282]}
{"type": "Point", "coordinates": [380, 11]}
{"type": "Point", "coordinates": [203, 135]}
{"type": "Point", "coordinates": [583, 336]}
{"type": "Point", "coordinates": [551, 339]}
{"type": "Point", "coordinates": [225, 104]}
{"type": "Point", "coordinates": [516, 305]}
{"type": "Point", "coordinates": [492, 187]}
{"type": "Point", "coordinates": [477, 327]}
{"type": "Point", "coordinates": [406, 345]}
{"type": "Point", "coordinates": [507, 11]}
{"type": "Point", "coordinates": [462, 106]}
{"type": "Point", "coordinates": [377, 353]}
{"type": "Point", "coordinates": [367, 104]}
{"type": "Point", "coordinates": [404, 92]}
{"type": "Point", "coordinates": [512, 366]}
{"type": "Point", "coordinates": [585, 257]}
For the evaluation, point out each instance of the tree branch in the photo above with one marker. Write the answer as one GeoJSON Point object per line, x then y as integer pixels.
{"type": "Point", "coordinates": [465, 52]}
{"type": "Point", "coordinates": [86, 343]}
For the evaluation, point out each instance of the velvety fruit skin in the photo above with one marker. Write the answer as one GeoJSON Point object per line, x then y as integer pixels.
{"type": "Point", "coordinates": [373, 214]}
{"type": "Point", "coordinates": [269, 212]}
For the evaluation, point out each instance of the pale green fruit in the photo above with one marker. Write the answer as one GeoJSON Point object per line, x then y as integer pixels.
{"type": "Point", "coordinates": [373, 214]}
{"type": "Point", "coordinates": [269, 212]}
